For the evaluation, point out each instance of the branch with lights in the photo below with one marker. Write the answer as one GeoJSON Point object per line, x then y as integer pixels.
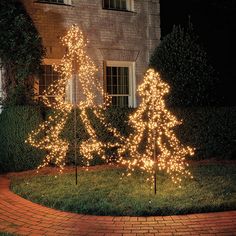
{"type": "Point", "coordinates": [77, 66]}
{"type": "Point", "coordinates": [153, 128]}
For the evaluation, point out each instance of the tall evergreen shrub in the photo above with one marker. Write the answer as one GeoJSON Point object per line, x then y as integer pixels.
{"type": "Point", "coordinates": [184, 65]}
{"type": "Point", "coordinates": [21, 52]}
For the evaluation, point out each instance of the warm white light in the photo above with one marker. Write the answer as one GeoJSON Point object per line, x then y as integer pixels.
{"type": "Point", "coordinates": [47, 136]}
{"type": "Point", "coordinates": [153, 122]}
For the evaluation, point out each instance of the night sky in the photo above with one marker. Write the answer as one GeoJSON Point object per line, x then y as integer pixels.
{"type": "Point", "coordinates": [214, 21]}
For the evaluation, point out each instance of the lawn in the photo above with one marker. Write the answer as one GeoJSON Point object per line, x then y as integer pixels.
{"type": "Point", "coordinates": [6, 234]}
{"type": "Point", "coordinates": [102, 192]}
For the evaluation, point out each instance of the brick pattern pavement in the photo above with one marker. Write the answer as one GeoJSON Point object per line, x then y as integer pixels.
{"type": "Point", "coordinates": [23, 217]}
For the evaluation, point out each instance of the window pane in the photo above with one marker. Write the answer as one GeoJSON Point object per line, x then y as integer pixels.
{"type": "Point", "coordinates": [117, 80]}
{"type": "Point", "coordinates": [123, 5]}
{"type": "Point", "coordinates": [52, 1]}
{"type": "Point", "coordinates": [41, 80]}
{"type": "Point", "coordinates": [109, 89]}
{"type": "Point", "coordinates": [108, 71]}
{"type": "Point", "coordinates": [126, 71]}
{"type": "Point", "coordinates": [106, 4]}
{"type": "Point", "coordinates": [117, 84]}
{"type": "Point", "coordinates": [115, 4]}
{"type": "Point", "coordinates": [119, 101]}
{"type": "Point", "coordinates": [48, 80]}
{"type": "Point", "coordinates": [41, 90]}
{"type": "Point", "coordinates": [46, 77]}
{"type": "Point", "coordinates": [114, 71]}
{"type": "Point", "coordinates": [112, 4]}
{"type": "Point", "coordinates": [48, 69]}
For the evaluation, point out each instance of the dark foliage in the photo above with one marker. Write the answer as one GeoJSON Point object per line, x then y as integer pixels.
{"type": "Point", "coordinates": [21, 52]}
{"type": "Point", "coordinates": [183, 64]}
{"type": "Point", "coordinates": [15, 124]}
{"type": "Point", "coordinates": [210, 130]}
{"type": "Point", "coordinates": [118, 117]}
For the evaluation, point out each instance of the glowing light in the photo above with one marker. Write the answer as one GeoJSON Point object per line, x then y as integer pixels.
{"type": "Point", "coordinates": [153, 130]}
{"type": "Point", "coordinates": [47, 136]}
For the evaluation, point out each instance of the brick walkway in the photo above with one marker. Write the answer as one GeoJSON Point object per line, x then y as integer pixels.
{"type": "Point", "coordinates": [22, 217]}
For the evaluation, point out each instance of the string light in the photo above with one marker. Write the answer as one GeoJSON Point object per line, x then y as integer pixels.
{"type": "Point", "coordinates": [47, 136]}
{"type": "Point", "coordinates": [151, 121]}
{"type": "Point", "coordinates": [153, 130]}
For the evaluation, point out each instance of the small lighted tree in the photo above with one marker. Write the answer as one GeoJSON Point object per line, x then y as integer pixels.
{"type": "Point", "coordinates": [153, 144]}
{"type": "Point", "coordinates": [77, 70]}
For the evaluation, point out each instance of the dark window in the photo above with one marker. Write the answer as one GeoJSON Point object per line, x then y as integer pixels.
{"type": "Point", "coordinates": [116, 4]}
{"type": "Point", "coordinates": [53, 1]}
{"type": "Point", "coordinates": [117, 85]}
{"type": "Point", "coordinates": [46, 77]}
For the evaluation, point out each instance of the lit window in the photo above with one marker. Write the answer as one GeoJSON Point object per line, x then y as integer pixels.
{"type": "Point", "coordinates": [120, 83]}
{"type": "Point", "coordinates": [46, 77]}
{"type": "Point", "coordinates": [123, 5]}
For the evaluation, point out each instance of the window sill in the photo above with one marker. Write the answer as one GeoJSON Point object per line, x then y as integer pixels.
{"type": "Point", "coordinates": [120, 10]}
{"type": "Point", "coordinates": [54, 3]}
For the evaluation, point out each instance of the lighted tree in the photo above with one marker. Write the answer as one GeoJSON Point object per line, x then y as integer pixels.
{"type": "Point", "coordinates": [77, 70]}
{"type": "Point", "coordinates": [153, 144]}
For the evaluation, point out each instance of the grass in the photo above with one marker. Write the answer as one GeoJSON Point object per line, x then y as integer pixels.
{"type": "Point", "coordinates": [102, 192]}
{"type": "Point", "coordinates": [6, 234]}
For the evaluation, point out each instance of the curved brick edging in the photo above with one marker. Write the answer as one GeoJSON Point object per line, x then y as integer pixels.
{"type": "Point", "coordinates": [23, 217]}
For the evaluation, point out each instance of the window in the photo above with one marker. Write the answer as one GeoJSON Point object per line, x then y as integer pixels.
{"type": "Point", "coordinates": [46, 77]}
{"type": "Point", "coordinates": [120, 83]}
{"type": "Point", "coordinates": [122, 5]}
{"type": "Point", "coordinates": [68, 2]}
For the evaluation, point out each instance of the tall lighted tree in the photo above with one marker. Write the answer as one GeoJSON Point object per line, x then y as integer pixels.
{"type": "Point", "coordinates": [153, 144]}
{"type": "Point", "coordinates": [78, 72]}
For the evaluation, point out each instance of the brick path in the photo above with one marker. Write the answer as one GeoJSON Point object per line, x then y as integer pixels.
{"type": "Point", "coordinates": [23, 217]}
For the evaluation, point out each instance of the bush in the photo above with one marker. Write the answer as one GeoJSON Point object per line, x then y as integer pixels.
{"type": "Point", "coordinates": [15, 124]}
{"type": "Point", "coordinates": [21, 52]}
{"type": "Point", "coordinates": [183, 64]}
{"type": "Point", "coordinates": [210, 130]}
{"type": "Point", "coordinates": [118, 118]}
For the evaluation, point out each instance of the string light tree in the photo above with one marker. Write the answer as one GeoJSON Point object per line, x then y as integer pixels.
{"type": "Point", "coordinates": [153, 128]}
{"type": "Point", "coordinates": [75, 67]}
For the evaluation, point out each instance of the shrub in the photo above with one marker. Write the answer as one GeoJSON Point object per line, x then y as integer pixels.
{"type": "Point", "coordinates": [183, 64]}
{"type": "Point", "coordinates": [118, 118]}
{"type": "Point", "coordinates": [210, 130]}
{"type": "Point", "coordinates": [21, 52]}
{"type": "Point", "coordinates": [15, 124]}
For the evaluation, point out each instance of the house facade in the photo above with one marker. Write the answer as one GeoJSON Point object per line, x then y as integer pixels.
{"type": "Point", "coordinates": [122, 34]}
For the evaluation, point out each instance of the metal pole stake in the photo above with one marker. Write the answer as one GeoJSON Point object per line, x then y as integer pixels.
{"type": "Point", "coordinates": [75, 120]}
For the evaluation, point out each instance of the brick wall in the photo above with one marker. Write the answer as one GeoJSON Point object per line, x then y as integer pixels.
{"type": "Point", "coordinates": [113, 35]}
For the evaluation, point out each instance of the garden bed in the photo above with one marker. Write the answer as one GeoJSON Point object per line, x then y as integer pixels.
{"type": "Point", "coordinates": [103, 192]}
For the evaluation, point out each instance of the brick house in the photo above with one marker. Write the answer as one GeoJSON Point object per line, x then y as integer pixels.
{"type": "Point", "coordinates": [122, 34]}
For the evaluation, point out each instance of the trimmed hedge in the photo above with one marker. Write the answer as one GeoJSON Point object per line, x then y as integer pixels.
{"type": "Point", "coordinates": [210, 130]}
{"type": "Point", "coordinates": [15, 124]}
